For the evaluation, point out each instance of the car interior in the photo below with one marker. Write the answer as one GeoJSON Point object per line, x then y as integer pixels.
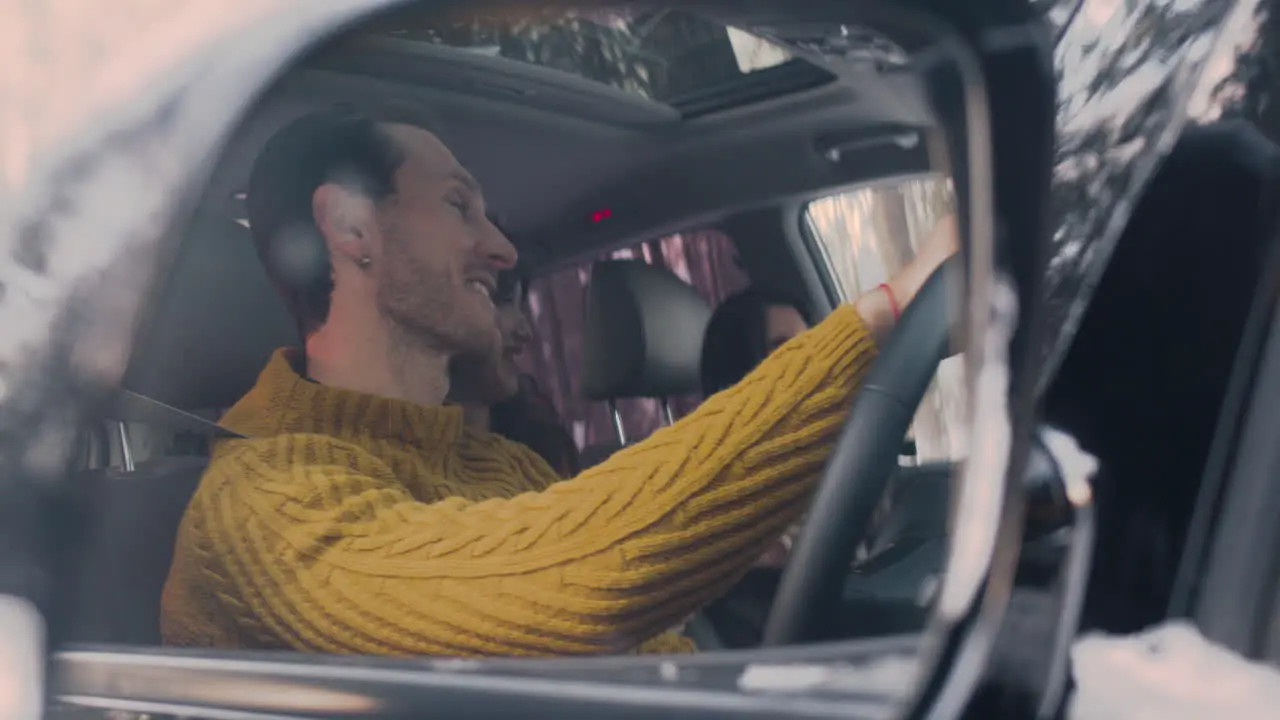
{"type": "Point", "coordinates": [574, 167]}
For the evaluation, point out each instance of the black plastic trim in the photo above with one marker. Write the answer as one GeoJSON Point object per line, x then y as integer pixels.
{"type": "Point", "coordinates": [790, 77]}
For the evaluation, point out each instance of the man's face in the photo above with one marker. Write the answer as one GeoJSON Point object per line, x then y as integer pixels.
{"type": "Point", "coordinates": [440, 253]}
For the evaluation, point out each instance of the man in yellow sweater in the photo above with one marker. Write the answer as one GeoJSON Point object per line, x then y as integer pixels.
{"type": "Point", "coordinates": [362, 516]}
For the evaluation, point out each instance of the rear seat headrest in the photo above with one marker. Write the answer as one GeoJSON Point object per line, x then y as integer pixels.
{"type": "Point", "coordinates": [214, 323]}
{"type": "Point", "coordinates": [643, 332]}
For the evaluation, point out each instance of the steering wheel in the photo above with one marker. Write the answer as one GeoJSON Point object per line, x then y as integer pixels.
{"type": "Point", "coordinates": [808, 601]}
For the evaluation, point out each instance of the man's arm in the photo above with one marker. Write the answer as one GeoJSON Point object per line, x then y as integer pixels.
{"type": "Point", "coordinates": [324, 549]}
{"type": "Point", "coordinates": [334, 554]}
{"type": "Point", "coordinates": [877, 308]}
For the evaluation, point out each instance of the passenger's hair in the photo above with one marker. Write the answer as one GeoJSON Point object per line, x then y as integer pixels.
{"type": "Point", "coordinates": [511, 282]}
{"type": "Point", "coordinates": [735, 340]}
{"type": "Point", "coordinates": [338, 145]}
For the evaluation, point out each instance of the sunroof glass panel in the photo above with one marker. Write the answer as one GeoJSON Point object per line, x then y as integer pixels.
{"type": "Point", "coordinates": [662, 55]}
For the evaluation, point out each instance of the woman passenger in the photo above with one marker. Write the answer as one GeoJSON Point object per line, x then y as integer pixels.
{"type": "Point", "coordinates": [497, 397]}
{"type": "Point", "coordinates": [744, 329]}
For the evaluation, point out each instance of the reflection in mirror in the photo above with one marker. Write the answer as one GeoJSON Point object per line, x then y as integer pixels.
{"type": "Point", "coordinates": [511, 334]}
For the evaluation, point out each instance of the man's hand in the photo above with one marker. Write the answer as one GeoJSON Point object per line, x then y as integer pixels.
{"type": "Point", "coordinates": [877, 308]}
{"type": "Point", "coordinates": [942, 242]}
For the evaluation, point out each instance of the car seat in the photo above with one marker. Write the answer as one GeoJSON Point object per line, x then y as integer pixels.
{"type": "Point", "coordinates": [642, 338]}
{"type": "Point", "coordinates": [213, 326]}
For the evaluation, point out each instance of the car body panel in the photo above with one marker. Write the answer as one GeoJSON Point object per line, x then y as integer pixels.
{"type": "Point", "coordinates": [1129, 76]}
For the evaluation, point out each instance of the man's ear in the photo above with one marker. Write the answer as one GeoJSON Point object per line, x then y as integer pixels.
{"type": "Point", "coordinates": [347, 221]}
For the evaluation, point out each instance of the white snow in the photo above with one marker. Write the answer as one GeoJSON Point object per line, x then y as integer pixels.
{"type": "Point", "coordinates": [1169, 673]}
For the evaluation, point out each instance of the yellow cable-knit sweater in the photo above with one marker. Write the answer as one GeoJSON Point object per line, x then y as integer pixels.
{"type": "Point", "coordinates": [350, 523]}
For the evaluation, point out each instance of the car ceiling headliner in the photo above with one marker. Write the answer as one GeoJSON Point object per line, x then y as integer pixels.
{"type": "Point", "coordinates": [547, 159]}
{"type": "Point", "coordinates": [545, 167]}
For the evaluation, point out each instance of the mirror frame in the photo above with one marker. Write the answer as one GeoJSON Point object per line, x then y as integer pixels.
{"type": "Point", "coordinates": [119, 164]}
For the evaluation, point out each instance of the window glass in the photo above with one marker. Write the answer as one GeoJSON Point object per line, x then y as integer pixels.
{"type": "Point", "coordinates": [705, 259]}
{"type": "Point", "coordinates": [863, 237]}
{"type": "Point", "coordinates": [663, 54]}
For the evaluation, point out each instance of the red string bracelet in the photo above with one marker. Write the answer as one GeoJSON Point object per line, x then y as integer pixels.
{"type": "Point", "coordinates": [893, 300]}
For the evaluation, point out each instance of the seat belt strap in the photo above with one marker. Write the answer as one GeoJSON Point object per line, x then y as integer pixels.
{"type": "Point", "coordinates": [133, 407]}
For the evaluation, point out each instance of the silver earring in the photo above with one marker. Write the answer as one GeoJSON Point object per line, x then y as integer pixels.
{"type": "Point", "coordinates": [365, 261]}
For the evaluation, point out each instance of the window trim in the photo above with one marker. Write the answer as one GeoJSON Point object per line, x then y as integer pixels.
{"type": "Point", "coordinates": [832, 285]}
{"type": "Point", "coordinates": [1228, 579]}
{"type": "Point", "coordinates": [257, 683]}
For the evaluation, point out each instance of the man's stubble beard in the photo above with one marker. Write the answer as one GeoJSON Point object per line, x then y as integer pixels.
{"type": "Point", "coordinates": [417, 306]}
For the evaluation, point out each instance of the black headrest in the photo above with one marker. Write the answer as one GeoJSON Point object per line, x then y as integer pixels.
{"type": "Point", "coordinates": [643, 334]}
{"type": "Point", "coordinates": [216, 322]}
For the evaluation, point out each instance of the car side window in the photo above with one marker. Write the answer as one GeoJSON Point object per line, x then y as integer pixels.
{"type": "Point", "coordinates": [861, 237]}
{"type": "Point", "coordinates": [706, 259]}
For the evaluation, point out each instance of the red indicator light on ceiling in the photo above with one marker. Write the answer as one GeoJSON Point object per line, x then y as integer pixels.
{"type": "Point", "coordinates": [601, 215]}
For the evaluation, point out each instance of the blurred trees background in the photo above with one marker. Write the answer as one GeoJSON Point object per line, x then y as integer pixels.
{"type": "Point", "coordinates": [657, 54]}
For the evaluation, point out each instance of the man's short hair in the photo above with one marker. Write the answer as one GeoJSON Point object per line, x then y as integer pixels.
{"type": "Point", "coordinates": [338, 145]}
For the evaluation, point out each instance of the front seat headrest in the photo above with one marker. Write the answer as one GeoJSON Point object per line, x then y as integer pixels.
{"type": "Point", "coordinates": [643, 332]}
{"type": "Point", "coordinates": [214, 324]}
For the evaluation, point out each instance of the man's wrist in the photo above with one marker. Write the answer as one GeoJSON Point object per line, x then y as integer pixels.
{"type": "Point", "coordinates": [876, 312]}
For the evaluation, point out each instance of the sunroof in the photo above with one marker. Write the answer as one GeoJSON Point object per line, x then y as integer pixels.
{"type": "Point", "coordinates": [668, 56]}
